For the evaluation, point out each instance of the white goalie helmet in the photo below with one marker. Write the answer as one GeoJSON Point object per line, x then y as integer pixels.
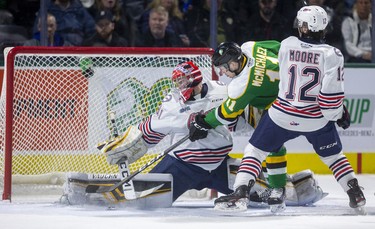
{"type": "Point", "coordinates": [315, 17]}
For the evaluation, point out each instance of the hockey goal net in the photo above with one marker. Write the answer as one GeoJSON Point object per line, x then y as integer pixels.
{"type": "Point", "coordinates": [55, 102]}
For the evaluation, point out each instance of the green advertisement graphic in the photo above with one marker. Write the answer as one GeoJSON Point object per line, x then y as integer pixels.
{"type": "Point", "coordinates": [133, 101]}
{"type": "Point", "coordinates": [361, 109]}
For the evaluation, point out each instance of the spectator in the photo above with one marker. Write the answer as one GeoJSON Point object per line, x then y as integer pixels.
{"type": "Point", "coordinates": [198, 24]}
{"type": "Point", "coordinates": [186, 5]}
{"type": "Point", "coordinates": [349, 5]}
{"type": "Point", "coordinates": [9, 31]}
{"type": "Point", "coordinates": [87, 3]}
{"type": "Point", "coordinates": [266, 24]}
{"type": "Point", "coordinates": [74, 23]}
{"type": "Point", "coordinates": [6, 17]}
{"type": "Point", "coordinates": [288, 9]}
{"type": "Point", "coordinates": [134, 10]}
{"type": "Point", "coordinates": [53, 38]}
{"type": "Point", "coordinates": [356, 31]}
{"type": "Point", "coordinates": [175, 22]}
{"type": "Point", "coordinates": [157, 35]}
{"type": "Point", "coordinates": [24, 12]}
{"type": "Point", "coordinates": [105, 32]}
{"type": "Point", "coordinates": [121, 22]}
{"type": "Point", "coordinates": [241, 10]}
{"type": "Point", "coordinates": [333, 35]}
{"type": "Point", "coordinates": [10, 34]}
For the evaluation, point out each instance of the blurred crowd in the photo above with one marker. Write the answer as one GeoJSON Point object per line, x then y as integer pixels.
{"type": "Point", "coordinates": [179, 23]}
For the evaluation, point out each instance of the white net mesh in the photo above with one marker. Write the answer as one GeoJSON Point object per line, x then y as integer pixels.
{"type": "Point", "coordinates": [61, 99]}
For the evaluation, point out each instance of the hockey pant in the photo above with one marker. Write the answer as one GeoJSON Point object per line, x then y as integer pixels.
{"type": "Point", "coordinates": [187, 176]}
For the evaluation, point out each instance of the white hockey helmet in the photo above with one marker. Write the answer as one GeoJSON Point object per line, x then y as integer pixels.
{"type": "Point", "coordinates": [315, 17]}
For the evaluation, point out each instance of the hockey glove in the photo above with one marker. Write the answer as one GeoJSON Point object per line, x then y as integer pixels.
{"type": "Point", "coordinates": [198, 128]}
{"type": "Point", "coordinates": [344, 121]}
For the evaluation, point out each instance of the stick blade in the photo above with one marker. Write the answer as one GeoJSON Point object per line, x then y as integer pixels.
{"type": "Point", "coordinates": [99, 189]}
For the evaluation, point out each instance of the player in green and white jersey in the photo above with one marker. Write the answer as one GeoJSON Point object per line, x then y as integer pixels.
{"type": "Point", "coordinates": [254, 69]}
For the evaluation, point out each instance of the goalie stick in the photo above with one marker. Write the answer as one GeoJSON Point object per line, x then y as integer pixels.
{"type": "Point", "coordinates": [101, 189]}
{"type": "Point", "coordinates": [123, 165]}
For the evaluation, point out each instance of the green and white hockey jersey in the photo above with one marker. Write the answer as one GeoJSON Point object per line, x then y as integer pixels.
{"type": "Point", "coordinates": [256, 85]}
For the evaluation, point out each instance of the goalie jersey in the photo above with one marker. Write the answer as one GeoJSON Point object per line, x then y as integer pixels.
{"type": "Point", "coordinates": [174, 117]}
{"type": "Point", "coordinates": [312, 86]}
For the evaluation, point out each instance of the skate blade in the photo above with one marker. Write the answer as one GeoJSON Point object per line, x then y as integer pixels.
{"type": "Point", "coordinates": [360, 210]}
{"type": "Point", "coordinates": [255, 204]}
{"type": "Point", "coordinates": [277, 208]}
{"type": "Point", "coordinates": [238, 206]}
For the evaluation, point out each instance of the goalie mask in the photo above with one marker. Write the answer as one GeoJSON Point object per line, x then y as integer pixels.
{"type": "Point", "coordinates": [185, 77]}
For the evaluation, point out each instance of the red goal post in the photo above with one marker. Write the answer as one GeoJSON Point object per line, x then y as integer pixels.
{"type": "Point", "coordinates": [55, 101]}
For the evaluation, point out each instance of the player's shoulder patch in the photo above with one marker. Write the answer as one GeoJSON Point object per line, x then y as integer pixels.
{"type": "Point", "coordinates": [337, 51]}
{"type": "Point", "coordinates": [171, 101]}
{"type": "Point", "coordinates": [216, 85]}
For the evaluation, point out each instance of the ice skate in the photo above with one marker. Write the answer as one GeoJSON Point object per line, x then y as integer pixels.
{"type": "Point", "coordinates": [276, 201]}
{"type": "Point", "coordinates": [259, 199]}
{"type": "Point", "coordinates": [357, 200]}
{"type": "Point", "coordinates": [236, 201]}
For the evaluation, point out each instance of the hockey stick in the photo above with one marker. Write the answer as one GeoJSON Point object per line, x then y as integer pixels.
{"type": "Point", "coordinates": [123, 165]}
{"type": "Point", "coordinates": [101, 189]}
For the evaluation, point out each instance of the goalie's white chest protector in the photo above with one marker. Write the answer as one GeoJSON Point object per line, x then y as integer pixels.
{"type": "Point", "coordinates": [174, 117]}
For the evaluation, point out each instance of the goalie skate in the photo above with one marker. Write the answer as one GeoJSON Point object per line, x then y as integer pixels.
{"type": "Point", "coordinates": [236, 201]}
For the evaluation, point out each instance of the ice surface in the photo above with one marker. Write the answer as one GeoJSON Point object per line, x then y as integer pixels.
{"type": "Point", "coordinates": [332, 212]}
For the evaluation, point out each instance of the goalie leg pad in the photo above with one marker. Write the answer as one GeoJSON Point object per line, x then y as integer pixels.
{"type": "Point", "coordinates": [130, 145]}
{"type": "Point", "coordinates": [303, 189]}
{"type": "Point", "coordinates": [152, 190]}
{"type": "Point", "coordinates": [74, 188]}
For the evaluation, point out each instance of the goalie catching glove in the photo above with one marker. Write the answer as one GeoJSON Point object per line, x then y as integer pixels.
{"type": "Point", "coordinates": [130, 145]}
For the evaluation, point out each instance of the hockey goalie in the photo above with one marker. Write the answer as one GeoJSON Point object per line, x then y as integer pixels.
{"type": "Point", "coordinates": [202, 164]}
